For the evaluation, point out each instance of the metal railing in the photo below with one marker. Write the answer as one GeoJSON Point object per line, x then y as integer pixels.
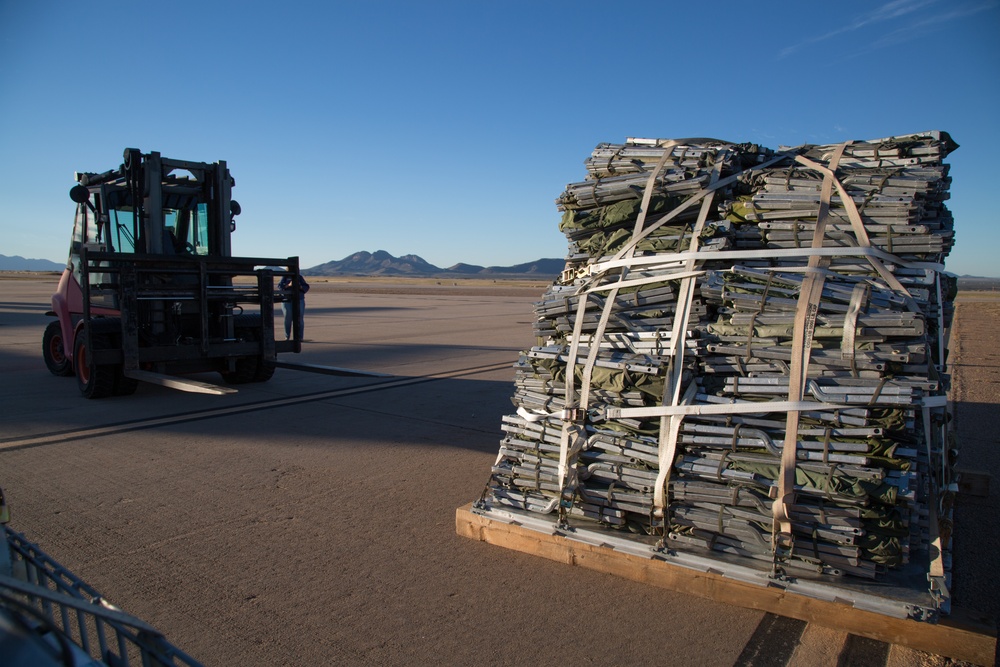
{"type": "Point", "coordinates": [73, 618]}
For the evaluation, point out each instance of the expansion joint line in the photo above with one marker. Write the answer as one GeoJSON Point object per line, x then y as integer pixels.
{"type": "Point", "coordinates": [57, 437]}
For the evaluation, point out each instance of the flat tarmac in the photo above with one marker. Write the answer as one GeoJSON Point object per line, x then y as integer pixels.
{"type": "Point", "coordinates": [309, 520]}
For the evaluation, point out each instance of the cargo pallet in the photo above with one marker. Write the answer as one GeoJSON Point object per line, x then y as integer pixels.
{"type": "Point", "coordinates": [895, 615]}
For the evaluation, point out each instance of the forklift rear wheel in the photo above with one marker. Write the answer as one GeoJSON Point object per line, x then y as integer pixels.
{"type": "Point", "coordinates": [94, 381]}
{"type": "Point", "coordinates": [53, 351]}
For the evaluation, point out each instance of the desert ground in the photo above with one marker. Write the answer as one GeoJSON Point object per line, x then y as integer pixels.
{"type": "Point", "coordinates": [310, 520]}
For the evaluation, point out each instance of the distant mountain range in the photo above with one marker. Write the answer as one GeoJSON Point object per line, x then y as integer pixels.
{"type": "Point", "coordinates": [977, 283]}
{"type": "Point", "coordinates": [18, 263]}
{"type": "Point", "coordinates": [381, 263]}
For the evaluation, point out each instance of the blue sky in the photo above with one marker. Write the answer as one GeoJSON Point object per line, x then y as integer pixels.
{"type": "Point", "coordinates": [447, 129]}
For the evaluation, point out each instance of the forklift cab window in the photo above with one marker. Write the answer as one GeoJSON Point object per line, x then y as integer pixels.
{"type": "Point", "coordinates": [79, 227]}
{"type": "Point", "coordinates": [82, 223]}
{"type": "Point", "coordinates": [86, 233]}
{"type": "Point", "coordinates": [188, 228]}
{"type": "Point", "coordinates": [121, 233]}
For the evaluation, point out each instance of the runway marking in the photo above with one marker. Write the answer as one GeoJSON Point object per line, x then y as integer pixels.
{"type": "Point", "coordinates": [197, 415]}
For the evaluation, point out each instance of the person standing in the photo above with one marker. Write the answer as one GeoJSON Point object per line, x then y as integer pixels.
{"type": "Point", "coordinates": [299, 294]}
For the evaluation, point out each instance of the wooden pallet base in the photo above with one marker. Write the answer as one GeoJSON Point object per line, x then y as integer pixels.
{"type": "Point", "coordinates": [961, 636]}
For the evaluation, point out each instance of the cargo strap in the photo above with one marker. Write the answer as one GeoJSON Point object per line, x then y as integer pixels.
{"type": "Point", "coordinates": [857, 224]}
{"type": "Point", "coordinates": [802, 338]}
{"type": "Point", "coordinates": [859, 297]}
{"type": "Point", "coordinates": [670, 425]}
{"type": "Point", "coordinates": [658, 261]}
{"type": "Point", "coordinates": [574, 435]}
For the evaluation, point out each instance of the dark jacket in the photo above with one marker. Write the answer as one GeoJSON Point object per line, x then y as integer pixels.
{"type": "Point", "coordinates": [286, 282]}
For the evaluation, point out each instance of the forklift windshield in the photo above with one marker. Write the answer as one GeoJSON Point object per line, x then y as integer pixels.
{"type": "Point", "coordinates": [185, 231]}
{"type": "Point", "coordinates": [188, 229]}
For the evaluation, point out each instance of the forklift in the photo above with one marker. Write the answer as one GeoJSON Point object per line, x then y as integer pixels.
{"type": "Point", "coordinates": [151, 291]}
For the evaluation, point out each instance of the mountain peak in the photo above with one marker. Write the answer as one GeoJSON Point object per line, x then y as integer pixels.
{"type": "Point", "coordinates": [380, 262]}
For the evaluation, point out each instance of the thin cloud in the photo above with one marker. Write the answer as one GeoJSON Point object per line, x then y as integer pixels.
{"type": "Point", "coordinates": [887, 12]}
{"type": "Point", "coordinates": [923, 26]}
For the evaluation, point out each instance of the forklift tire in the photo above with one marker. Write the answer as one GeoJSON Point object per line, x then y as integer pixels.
{"type": "Point", "coordinates": [246, 370]}
{"type": "Point", "coordinates": [124, 386]}
{"type": "Point", "coordinates": [248, 327]}
{"type": "Point", "coordinates": [265, 370]}
{"type": "Point", "coordinates": [244, 326]}
{"type": "Point", "coordinates": [54, 352]}
{"type": "Point", "coordinates": [109, 330]}
{"type": "Point", "coordinates": [93, 381]}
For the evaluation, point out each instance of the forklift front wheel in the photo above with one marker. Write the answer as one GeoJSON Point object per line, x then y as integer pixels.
{"type": "Point", "coordinates": [53, 351]}
{"type": "Point", "coordinates": [94, 381]}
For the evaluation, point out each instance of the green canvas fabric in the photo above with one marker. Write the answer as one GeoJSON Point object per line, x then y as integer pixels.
{"type": "Point", "coordinates": [834, 483]}
{"type": "Point", "coordinates": [617, 214]}
{"type": "Point", "coordinates": [610, 379]}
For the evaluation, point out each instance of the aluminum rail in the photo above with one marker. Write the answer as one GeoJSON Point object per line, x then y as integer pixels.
{"type": "Point", "coordinates": [63, 607]}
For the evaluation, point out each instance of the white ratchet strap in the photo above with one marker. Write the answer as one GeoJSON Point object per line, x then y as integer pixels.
{"type": "Point", "coordinates": [696, 197]}
{"type": "Point", "coordinates": [735, 407]}
{"type": "Point", "coordinates": [534, 416]}
{"type": "Point", "coordinates": [678, 259]}
{"type": "Point", "coordinates": [659, 278]}
{"type": "Point", "coordinates": [858, 225]}
{"type": "Point", "coordinates": [570, 427]}
{"type": "Point", "coordinates": [670, 425]}
{"type": "Point", "coordinates": [802, 338]}
{"type": "Point", "coordinates": [847, 342]}
{"type": "Point", "coordinates": [573, 434]}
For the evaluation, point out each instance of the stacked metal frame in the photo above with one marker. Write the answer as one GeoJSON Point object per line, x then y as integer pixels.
{"type": "Point", "coordinates": [746, 355]}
